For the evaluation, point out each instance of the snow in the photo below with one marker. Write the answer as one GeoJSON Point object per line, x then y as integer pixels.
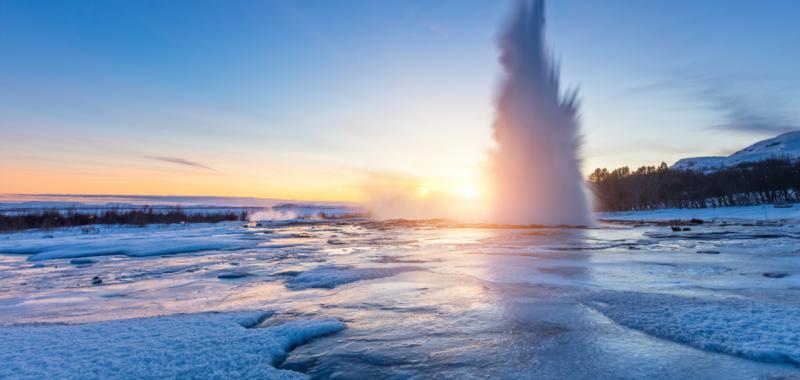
{"type": "Point", "coordinates": [754, 213]}
{"type": "Point", "coordinates": [142, 248]}
{"type": "Point", "coordinates": [786, 145]}
{"type": "Point", "coordinates": [422, 299]}
{"type": "Point", "coordinates": [124, 241]}
{"type": "Point", "coordinates": [331, 277]}
{"type": "Point", "coordinates": [704, 164]}
{"type": "Point", "coordinates": [746, 328]}
{"type": "Point", "coordinates": [208, 346]}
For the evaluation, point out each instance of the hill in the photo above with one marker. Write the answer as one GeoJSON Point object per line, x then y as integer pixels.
{"type": "Point", "coordinates": [785, 146]}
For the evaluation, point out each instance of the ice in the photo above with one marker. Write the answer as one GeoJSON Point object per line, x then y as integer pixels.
{"type": "Point", "coordinates": [755, 330]}
{"type": "Point", "coordinates": [422, 299]}
{"type": "Point", "coordinates": [132, 248]}
{"type": "Point", "coordinates": [331, 277]}
{"type": "Point", "coordinates": [124, 242]}
{"type": "Point", "coordinates": [209, 346]}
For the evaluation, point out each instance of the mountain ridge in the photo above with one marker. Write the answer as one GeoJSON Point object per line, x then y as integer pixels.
{"type": "Point", "coordinates": [786, 145]}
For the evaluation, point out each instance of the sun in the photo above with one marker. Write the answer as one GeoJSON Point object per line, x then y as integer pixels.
{"type": "Point", "coordinates": [467, 190]}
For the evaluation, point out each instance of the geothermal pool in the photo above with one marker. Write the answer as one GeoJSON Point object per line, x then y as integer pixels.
{"type": "Point", "coordinates": [403, 300]}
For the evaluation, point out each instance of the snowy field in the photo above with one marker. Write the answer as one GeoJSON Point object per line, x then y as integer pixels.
{"type": "Point", "coordinates": [742, 213]}
{"type": "Point", "coordinates": [408, 300]}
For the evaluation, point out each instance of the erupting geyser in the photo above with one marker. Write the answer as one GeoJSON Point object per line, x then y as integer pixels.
{"type": "Point", "coordinates": [536, 166]}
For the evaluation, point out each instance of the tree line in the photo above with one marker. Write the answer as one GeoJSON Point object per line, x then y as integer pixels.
{"type": "Point", "coordinates": [651, 187]}
{"type": "Point", "coordinates": [47, 219]}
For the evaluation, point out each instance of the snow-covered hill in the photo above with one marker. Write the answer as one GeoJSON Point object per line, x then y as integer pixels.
{"type": "Point", "coordinates": [786, 145]}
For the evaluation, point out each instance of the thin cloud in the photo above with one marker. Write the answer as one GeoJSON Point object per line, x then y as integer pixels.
{"type": "Point", "coordinates": [180, 161]}
{"type": "Point", "coordinates": [746, 104]}
{"type": "Point", "coordinates": [740, 115]}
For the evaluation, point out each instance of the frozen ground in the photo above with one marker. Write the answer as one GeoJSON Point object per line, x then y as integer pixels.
{"type": "Point", "coordinates": [743, 213]}
{"type": "Point", "coordinates": [400, 300]}
{"type": "Point", "coordinates": [219, 346]}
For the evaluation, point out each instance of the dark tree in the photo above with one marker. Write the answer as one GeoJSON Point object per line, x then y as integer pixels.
{"type": "Point", "coordinates": [650, 187]}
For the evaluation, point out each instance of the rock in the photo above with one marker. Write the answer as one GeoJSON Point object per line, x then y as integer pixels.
{"type": "Point", "coordinates": [230, 275]}
{"type": "Point", "coordinates": [696, 221]}
{"type": "Point", "coordinates": [775, 274]}
{"type": "Point", "coordinates": [290, 273]}
{"type": "Point", "coordinates": [96, 280]}
{"type": "Point", "coordinates": [675, 228]}
{"type": "Point", "coordinates": [686, 229]}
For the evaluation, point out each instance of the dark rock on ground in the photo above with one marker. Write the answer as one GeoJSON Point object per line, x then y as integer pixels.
{"type": "Point", "coordinates": [231, 275]}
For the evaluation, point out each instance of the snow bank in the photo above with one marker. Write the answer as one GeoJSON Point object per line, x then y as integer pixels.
{"type": "Point", "coordinates": [136, 245]}
{"type": "Point", "coordinates": [764, 212]}
{"type": "Point", "coordinates": [208, 346]}
{"type": "Point", "coordinates": [745, 328]}
{"type": "Point", "coordinates": [138, 248]}
{"type": "Point", "coordinates": [331, 277]}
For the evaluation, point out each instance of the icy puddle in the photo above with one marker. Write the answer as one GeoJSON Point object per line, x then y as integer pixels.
{"type": "Point", "coordinates": [402, 300]}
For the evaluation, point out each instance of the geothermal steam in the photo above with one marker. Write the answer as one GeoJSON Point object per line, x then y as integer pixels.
{"type": "Point", "coordinates": [536, 165]}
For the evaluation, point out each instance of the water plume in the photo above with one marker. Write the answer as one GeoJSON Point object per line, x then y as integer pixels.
{"type": "Point", "coordinates": [537, 178]}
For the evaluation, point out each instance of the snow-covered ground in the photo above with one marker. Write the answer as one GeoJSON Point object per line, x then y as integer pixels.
{"type": "Point", "coordinates": [407, 300]}
{"type": "Point", "coordinates": [751, 213]}
{"type": "Point", "coordinates": [214, 346]}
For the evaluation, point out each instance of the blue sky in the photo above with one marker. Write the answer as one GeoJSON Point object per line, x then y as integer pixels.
{"type": "Point", "coordinates": [306, 99]}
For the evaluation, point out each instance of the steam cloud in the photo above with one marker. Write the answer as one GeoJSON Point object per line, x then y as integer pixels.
{"type": "Point", "coordinates": [536, 166]}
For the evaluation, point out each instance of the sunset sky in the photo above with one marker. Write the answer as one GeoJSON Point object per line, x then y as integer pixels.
{"type": "Point", "coordinates": [315, 100]}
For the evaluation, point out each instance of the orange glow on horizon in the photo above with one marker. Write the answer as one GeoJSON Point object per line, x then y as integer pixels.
{"type": "Point", "coordinates": [38, 180]}
{"type": "Point", "coordinates": [302, 185]}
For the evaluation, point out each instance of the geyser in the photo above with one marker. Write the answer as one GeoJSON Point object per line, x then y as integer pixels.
{"type": "Point", "coordinates": [536, 166]}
